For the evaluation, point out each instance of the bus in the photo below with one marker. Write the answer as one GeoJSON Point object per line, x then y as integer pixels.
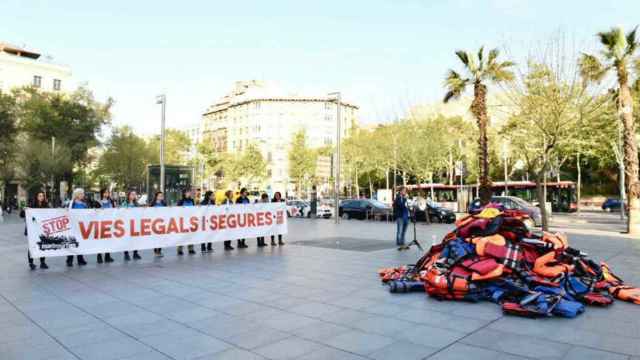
{"type": "Point", "coordinates": [561, 194]}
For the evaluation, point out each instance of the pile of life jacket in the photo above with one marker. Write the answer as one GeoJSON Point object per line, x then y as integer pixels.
{"type": "Point", "coordinates": [493, 256]}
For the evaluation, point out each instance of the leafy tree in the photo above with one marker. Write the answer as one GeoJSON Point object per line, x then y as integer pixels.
{"type": "Point", "coordinates": [176, 147]}
{"type": "Point", "coordinates": [125, 158]}
{"type": "Point", "coordinates": [251, 166]}
{"type": "Point", "coordinates": [479, 71]}
{"type": "Point", "coordinates": [38, 165]}
{"type": "Point", "coordinates": [302, 160]}
{"type": "Point", "coordinates": [8, 137]}
{"type": "Point", "coordinates": [617, 55]}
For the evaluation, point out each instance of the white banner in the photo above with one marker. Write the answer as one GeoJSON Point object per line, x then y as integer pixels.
{"type": "Point", "coordinates": [59, 232]}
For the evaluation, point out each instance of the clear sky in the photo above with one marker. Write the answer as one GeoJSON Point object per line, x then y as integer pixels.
{"type": "Point", "coordinates": [382, 54]}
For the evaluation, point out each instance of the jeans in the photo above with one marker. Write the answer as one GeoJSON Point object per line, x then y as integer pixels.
{"type": "Point", "coordinates": [401, 230]}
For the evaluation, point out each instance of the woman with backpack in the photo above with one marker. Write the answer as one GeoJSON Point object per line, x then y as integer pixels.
{"type": "Point", "coordinates": [131, 202]}
{"type": "Point", "coordinates": [39, 202]}
{"type": "Point", "coordinates": [105, 203]}
{"type": "Point", "coordinates": [158, 201]}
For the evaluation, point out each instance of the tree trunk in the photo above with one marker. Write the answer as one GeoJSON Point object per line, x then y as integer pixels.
{"type": "Point", "coordinates": [541, 200]}
{"type": "Point", "coordinates": [630, 154]}
{"type": "Point", "coordinates": [370, 188]}
{"type": "Point", "coordinates": [387, 173]}
{"type": "Point", "coordinates": [479, 111]}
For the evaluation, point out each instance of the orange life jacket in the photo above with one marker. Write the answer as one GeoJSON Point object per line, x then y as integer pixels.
{"type": "Point", "coordinates": [547, 266]}
{"type": "Point", "coordinates": [481, 242]}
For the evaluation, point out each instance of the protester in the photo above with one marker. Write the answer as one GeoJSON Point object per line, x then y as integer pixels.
{"type": "Point", "coordinates": [209, 199]}
{"type": "Point", "coordinates": [277, 197]}
{"type": "Point", "coordinates": [131, 202]}
{"type": "Point", "coordinates": [228, 200]}
{"type": "Point", "coordinates": [186, 200]}
{"type": "Point", "coordinates": [401, 214]}
{"type": "Point", "coordinates": [158, 201]}
{"type": "Point", "coordinates": [198, 197]}
{"type": "Point", "coordinates": [264, 198]}
{"type": "Point", "coordinates": [105, 203]}
{"type": "Point", "coordinates": [77, 202]}
{"type": "Point", "coordinates": [39, 202]}
{"type": "Point", "coordinates": [243, 199]}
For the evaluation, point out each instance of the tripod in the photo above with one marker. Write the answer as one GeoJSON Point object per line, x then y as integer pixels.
{"type": "Point", "coordinates": [415, 238]}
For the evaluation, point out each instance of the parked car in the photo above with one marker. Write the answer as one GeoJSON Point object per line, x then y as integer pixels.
{"type": "Point", "coordinates": [515, 203]}
{"type": "Point", "coordinates": [298, 208]}
{"type": "Point", "coordinates": [612, 204]}
{"type": "Point", "coordinates": [437, 214]}
{"type": "Point", "coordinates": [364, 209]}
{"type": "Point", "coordinates": [324, 211]}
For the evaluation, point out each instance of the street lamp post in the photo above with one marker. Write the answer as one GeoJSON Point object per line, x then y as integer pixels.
{"type": "Point", "coordinates": [338, 99]}
{"type": "Point", "coordinates": [162, 99]}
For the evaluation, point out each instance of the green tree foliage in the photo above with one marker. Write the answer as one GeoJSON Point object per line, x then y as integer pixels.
{"type": "Point", "coordinates": [39, 165]}
{"type": "Point", "coordinates": [177, 145]}
{"type": "Point", "coordinates": [125, 159]}
{"type": "Point", "coordinates": [8, 138]}
{"type": "Point", "coordinates": [302, 160]}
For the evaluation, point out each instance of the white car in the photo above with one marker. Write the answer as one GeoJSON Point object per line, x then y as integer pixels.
{"type": "Point", "coordinates": [298, 208]}
{"type": "Point", "coordinates": [324, 211]}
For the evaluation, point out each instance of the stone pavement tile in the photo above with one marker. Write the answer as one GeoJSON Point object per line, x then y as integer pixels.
{"type": "Point", "coordinates": [223, 326]}
{"type": "Point", "coordinates": [353, 302]}
{"type": "Point", "coordinates": [346, 317]}
{"type": "Point", "coordinates": [443, 320]}
{"type": "Point", "coordinates": [286, 302]}
{"type": "Point", "coordinates": [290, 348]}
{"type": "Point", "coordinates": [88, 334]}
{"type": "Point", "coordinates": [403, 350]}
{"type": "Point", "coordinates": [109, 350]}
{"type": "Point", "coordinates": [460, 351]}
{"type": "Point", "coordinates": [150, 355]}
{"type": "Point", "coordinates": [288, 322]}
{"type": "Point", "coordinates": [358, 342]}
{"type": "Point", "coordinates": [232, 354]}
{"type": "Point", "coordinates": [384, 309]}
{"type": "Point", "coordinates": [314, 309]}
{"type": "Point", "coordinates": [187, 344]}
{"type": "Point", "coordinates": [383, 326]}
{"type": "Point", "coordinates": [244, 308]}
{"type": "Point", "coordinates": [320, 331]}
{"type": "Point", "coordinates": [480, 311]}
{"type": "Point", "coordinates": [517, 345]}
{"type": "Point", "coordinates": [36, 349]}
{"type": "Point", "coordinates": [430, 336]}
{"type": "Point", "coordinates": [188, 315]}
{"type": "Point", "coordinates": [257, 337]}
{"type": "Point", "coordinates": [582, 353]}
{"type": "Point", "coordinates": [111, 309]}
{"type": "Point", "coordinates": [21, 333]}
{"type": "Point", "coordinates": [134, 317]}
{"type": "Point", "coordinates": [327, 353]}
{"type": "Point", "coordinates": [139, 330]}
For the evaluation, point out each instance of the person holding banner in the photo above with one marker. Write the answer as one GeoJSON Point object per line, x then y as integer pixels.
{"type": "Point", "coordinates": [158, 201]}
{"type": "Point", "coordinates": [243, 199]}
{"type": "Point", "coordinates": [264, 198]}
{"type": "Point", "coordinates": [77, 202]}
{"type": "Point", "coordinates": [277, 197]}
{"type": "Point", "coordinates": [209, 199]}
{"type": "Point", "coordinates": [105, 203]}
{"type": "Point", "coordinates": [228, 200]}
{"type": "Point", "coordinates": [39, 202]}
{"type": "Point", "coordinates": [131, 202]}
{"type": "Point", "coordinates": [186, 201]}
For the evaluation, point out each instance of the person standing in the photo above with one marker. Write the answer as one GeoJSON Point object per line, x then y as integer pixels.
{"type": "Point", "coordinates": [277, 197]}
{"type": "Point", "coordinates": [243, 199]}
{"type": "Point", "coordinates": [105, 203]}
{"type": "Point", "coordinates": [198, 197]}
{"type": "Point", "coordinates": [131, 202]}
{"type": "Point", "coordinates": [209, 199]}
{"type": "Point", "coordinates": [228, 200]}
{"type": "Point", "coordinates": [39, 202]}
{"type": "Point", "coordinates": [158, 201]}
{"type": "Point", "coordinates": [186, 200]}
{"type": "Point", "coordinates": [77, 202]}
{"type": "Point", "coordinates": [264, 198]}
{"type": "Point", "coordinates": [401, 214]}
{"type": "Point", "coordinates": [314, 202]}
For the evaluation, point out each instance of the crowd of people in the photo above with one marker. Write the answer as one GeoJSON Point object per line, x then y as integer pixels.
{"type": "Point", "coordinates": [79, 201]}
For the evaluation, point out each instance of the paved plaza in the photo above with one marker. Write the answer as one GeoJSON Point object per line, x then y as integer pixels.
{"type": "Point", "coordinates": [318, 297]}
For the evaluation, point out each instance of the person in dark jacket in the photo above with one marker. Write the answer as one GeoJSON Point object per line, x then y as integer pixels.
{"type": "Point", "coordinates": [105, 203]}
{"type": "Point", "coordinates": [243, 199]}
{"type": "Point", "coordinates": [77, 202]}
{"type": "Point", "coordinates": [264, 198]}
{"type": "Point", "coordinates": [39, 202]}
{"type": "Point", "coordinates": [158, 201]}
{"type": "Point", "coordinates": [277, 197]}
{"type": "Point", "coordinates": [401, 214]}
{"type": "Point", "coordinates": [228, 200]}
{"type": "Point", "coordinates": [131, 202]}
{"type": "Point", "coordinates": [186, 200]}
{"type": "Point", "coordinates": [209, 199]}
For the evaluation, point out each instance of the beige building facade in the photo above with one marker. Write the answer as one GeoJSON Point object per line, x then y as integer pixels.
{"type": "Point", "coordinates": [258, 113]}
{"type": "Point", "coordinates": [20, 67]}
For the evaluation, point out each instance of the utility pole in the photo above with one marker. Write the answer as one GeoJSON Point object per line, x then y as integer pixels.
{"type": "Point", "coordinates": [506, 174]}
{"type": "Point", "coordinates": [338, 99]}
{"type": "Point", "coordinates": [162, 99]}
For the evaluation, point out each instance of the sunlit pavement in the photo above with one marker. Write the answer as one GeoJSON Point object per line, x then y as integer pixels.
{"type": "Point", "coordinates": [318, 297]}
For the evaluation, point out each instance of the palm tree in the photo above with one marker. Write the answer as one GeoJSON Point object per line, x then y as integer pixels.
{"type": "Point", "coordinates": [617, 55]}
{"type": "Point", "coordinates": [478, 71]}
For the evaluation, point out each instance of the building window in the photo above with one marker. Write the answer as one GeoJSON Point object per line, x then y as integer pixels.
{"type": "Point", "coordinates": [56, 84]}
{"type": "Point", "coordinates": [37, 81]}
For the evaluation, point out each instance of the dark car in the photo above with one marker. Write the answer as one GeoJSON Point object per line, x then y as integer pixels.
{"type": "Point", "coordinates": [612, 204]}
{"type": "Point", "coordinates": [511, 202]}
{"type": "Point", "coordinates": [436, 215]}
{"type": "Point", "coordinates": [364, 209]}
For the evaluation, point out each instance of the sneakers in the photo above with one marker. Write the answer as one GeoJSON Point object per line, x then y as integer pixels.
{"type": "Point", "coordinates": [180, 253]}
{"type": "Point", "coordinates": [108, 258]}
{"type": "Point", "coordinates": [99, 259]}
{"type": "Point", "coordinates": [209, 247]}
{"type": "Point", "coordinates": [126, 256]}
{"type": "Point", "coordinates": [43, 265]}
{"type": "Point", "coordinates": [136, 256]}
{"type": "Point", "coordinates": [32, 266]}
{"type": "Point", "coordinates": [192, 252]}
{"type": "Point", "coordinates": [81, 261]}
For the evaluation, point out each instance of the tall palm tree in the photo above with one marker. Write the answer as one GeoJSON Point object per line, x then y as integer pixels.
{"type": "Point", "coordinates": [617, 55]}
{"type": "Point", "coordinates": [478, 71]}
